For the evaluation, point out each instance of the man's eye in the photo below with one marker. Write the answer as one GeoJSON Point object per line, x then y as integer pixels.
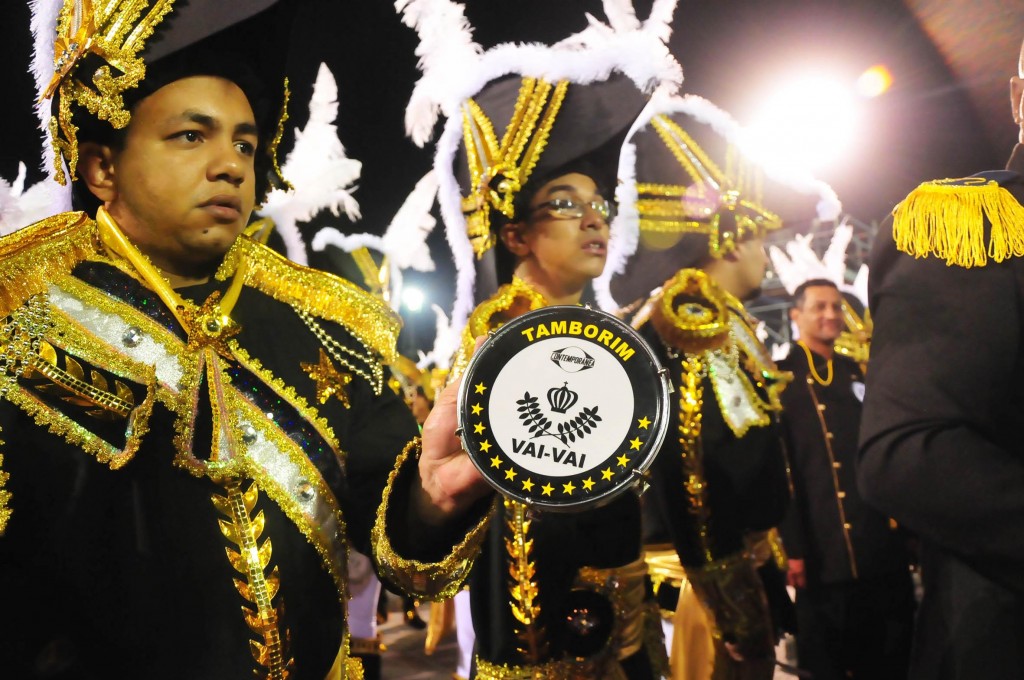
{"type": "Point", "coordinates": [190, 136]}
{"type": "Point", "coordinates": [563, 204]}
{"type": "Point", "coordinates": [245, 148]}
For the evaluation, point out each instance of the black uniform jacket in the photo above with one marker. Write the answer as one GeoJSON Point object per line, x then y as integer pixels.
{"type": "Point", "coordinates": [132, 564]}
{"type": "Point", "coordinates": [839, 536]}
{"type": "Point", "coordinates": [941, 448]}
{"type": "Point", "coordinates": [747, 488]}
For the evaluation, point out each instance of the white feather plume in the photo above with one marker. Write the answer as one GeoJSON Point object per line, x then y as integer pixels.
{"type": "Point", "coordinates": [799, 263]}
{"type": "Point", "coordinates": [446, 47]}
{"type": "Point", "coordinates": [446, 341]}
{"type": "Point", "coordinates": [317, 166]}
{"type": "Point", "coordinates": [20, 207]}
{"type": "Point", "coordinates": [44, 32]}
{"type": "Point", "coordinates": [405, 241]}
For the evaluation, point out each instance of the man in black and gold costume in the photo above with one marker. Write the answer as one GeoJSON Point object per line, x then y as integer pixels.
{"type": "Point", "coordinates": [194, 429]}
{"type": "Point", "coordinates": [940, 439]}
{"type": "Point", "coordinates": [849, 565]}
{"type": "Point", "coordinates": [719, 482]}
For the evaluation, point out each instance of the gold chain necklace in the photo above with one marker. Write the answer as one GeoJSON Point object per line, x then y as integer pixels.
{"type": "Point", "coordinates": [810, 364]}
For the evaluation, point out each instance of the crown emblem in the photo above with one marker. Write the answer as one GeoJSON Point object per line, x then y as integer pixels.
{"type": "Point", "coordinates": [562, 398]}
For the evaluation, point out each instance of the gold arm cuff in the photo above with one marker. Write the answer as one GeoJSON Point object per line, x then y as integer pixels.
{"type": "Point", "coordinates": [434, 580]}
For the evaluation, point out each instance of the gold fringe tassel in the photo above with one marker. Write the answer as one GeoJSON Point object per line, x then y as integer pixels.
{"type": "Point", "coordinates": [948, 221]}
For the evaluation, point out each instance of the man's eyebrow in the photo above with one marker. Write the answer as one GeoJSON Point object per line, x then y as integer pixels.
{"type": "Point", "coordinates": [570, 188]}
{"type": "Point", "coordinates": [211, 123]}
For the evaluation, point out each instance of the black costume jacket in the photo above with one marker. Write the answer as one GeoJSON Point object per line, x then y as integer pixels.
{"type": "Point", "coordinates": [177, 501]}
{"type": "Point", "coordinates": [829, 526]}
{"type": "Point", "coordinates": [582, 610]}
{"type": "Point", "coordinates": [940, 439]}
{"type": "Point", "coordinates": [721, 475]}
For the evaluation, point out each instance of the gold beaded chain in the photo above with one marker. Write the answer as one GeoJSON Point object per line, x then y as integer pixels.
{"type": "Point", "coordinates": [376, 374]}
{"type": "Point", "coordinates": [810, 364]}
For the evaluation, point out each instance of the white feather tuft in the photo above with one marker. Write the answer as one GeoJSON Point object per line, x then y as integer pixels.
{"type": "Point", "coordinates": [446, 47]}
{"type": "Point", "coordinates": [405, 240]}
{"type": "Point", "coordinates": [20, 207]}
{"type": "Point", "coordinates": [621, 15]}
{"type": "Point", "coordinates": [322, 174]}
{"type": "Point", "coordinates": [44, 31]}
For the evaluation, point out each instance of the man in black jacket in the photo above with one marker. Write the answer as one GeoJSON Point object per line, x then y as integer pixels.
{"type": "Point", "coordinates": [854, 600]}
{"type": "Point", "coordinates": [940, 447]}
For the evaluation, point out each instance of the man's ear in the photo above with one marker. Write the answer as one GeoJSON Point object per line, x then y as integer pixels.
{"type": "Point", "coordinates": [793, 311]}
{"type": "Point", "coordinates": [511, 234]}
{"type": "Point", "coordinates": [96, 170]}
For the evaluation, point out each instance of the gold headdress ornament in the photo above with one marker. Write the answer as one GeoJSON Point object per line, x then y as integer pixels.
{"type": "Point", "coordinates": [114, 30]}
{"type": "Point", "coordinates": [499, 171]}
{"type": "Point", "coordinates": [700, 206]}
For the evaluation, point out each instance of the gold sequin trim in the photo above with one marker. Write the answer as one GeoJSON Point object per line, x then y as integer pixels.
{"type": "Point", "coordinates": [317, 293]}
{"type": "Point", "coordinates": [32, 257]}
{"type": "Point", "coordinates": [434, 581]}
{"type": "Point", "coordinates": [516, 298]}
{"type": "Point", "coordinates": [522, 586]}
{"type": "Point", "coordinates": [5, 496]}
{"type": "Point", "coordinates": [251, 559]}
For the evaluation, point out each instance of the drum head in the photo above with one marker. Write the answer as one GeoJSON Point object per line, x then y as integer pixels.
{"type": "Point", "coordinates": [563, 408]}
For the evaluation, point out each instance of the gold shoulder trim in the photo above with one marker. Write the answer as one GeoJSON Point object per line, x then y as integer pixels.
{"type": "Point", "coordinates": [517, 298]}
{"type": "Point", "coordinates": [946, 218]}
{"type": "Point", "coordinates": [319, 293]}
{"type": "Point", "coordinates": [697, 322]}
{"type": "Point", "coordinates": [32, 257]}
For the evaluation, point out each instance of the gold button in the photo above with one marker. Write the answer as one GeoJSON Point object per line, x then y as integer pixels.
{"type": "Point", "coordinates": [830, 435]}
{"type": "Point", "coordinates": [837, 465]}
{"type": "Point", "coordinates": [810, 380]}
{"type": "Point", "coordinates": [846, 525]}
{"type": "Point", "coordinates": [841, 494]}
{"type": "Point", "coordinates": [821, 407]}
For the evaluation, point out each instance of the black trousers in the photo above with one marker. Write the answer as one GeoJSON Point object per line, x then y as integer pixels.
{"type": "Point", "coordinates": [857, 630]}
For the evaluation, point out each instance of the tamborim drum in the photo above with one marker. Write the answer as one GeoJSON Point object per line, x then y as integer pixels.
{"type": "Point", "coordinates": [563, 408]}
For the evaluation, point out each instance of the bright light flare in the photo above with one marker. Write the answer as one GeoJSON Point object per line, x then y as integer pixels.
{"type": "Point", "coordinates": [874, 82]}
{"type": "Point", "coordinates": [413, 298]}
{"type": "Point", "coordinates": [808, 123]}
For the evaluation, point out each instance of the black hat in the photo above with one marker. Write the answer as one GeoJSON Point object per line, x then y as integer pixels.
{"type": "Point", "coordinates": [109, 55]}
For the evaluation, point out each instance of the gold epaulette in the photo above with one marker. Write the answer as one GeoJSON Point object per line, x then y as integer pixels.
{"type": "Point", "coordinates": [946, 218]}
{"type": "Point", "coordinates": [691, 313]}
{"type": "Point", "coordinates": [32, 257]}
{"type": "Point", "coordinates": [510, 301]}
{"type": "Point", "coordinates": [321, 294]}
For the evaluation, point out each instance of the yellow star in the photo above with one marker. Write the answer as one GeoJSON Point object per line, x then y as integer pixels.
{"type": "Point", "coordinates": [634, 444]}
{"type": "Point", "coordinates": [606, 473]}
{"type": "Point", "coordinates": [329, 380]}
{"type": "Point", "coordinates": [643, 423]}
{"type": "Point", "coordinates": [527, 485]}
{"type": "Point", "coordinates": [485, 446]}
{"type": "Point", "coordinates": [568, 488]}
{"type": "Point", "coordinates": [623, 460]}
{"type": "Point", "coordinates": [547, 489]}
{"type": "Point", "coordinates": [476, 408]}
{"type": "Point", "coordinates": [479, 428]}
{"type": "Point", "coordinates": [510, 474]}
{"type": "Point", "coordinates": [588, 483]}
{"type": "Point", "coordinates": [496, 462]}
{"type": "Point", "coordinates": [479, 387]}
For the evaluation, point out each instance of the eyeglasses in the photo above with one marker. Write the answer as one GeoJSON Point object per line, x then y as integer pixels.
{"type": "Point", "coordinates": [572, 208]}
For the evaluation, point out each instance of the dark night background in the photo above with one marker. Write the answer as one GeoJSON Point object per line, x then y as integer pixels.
{"type": "Point", "coordinates": [947, 113]}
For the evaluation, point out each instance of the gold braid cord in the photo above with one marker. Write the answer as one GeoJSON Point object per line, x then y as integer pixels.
{"type": "Point", "coordinates": [270, 650]}
{"type": "Point", "coordinates": [114, 30]}
{"type": "Point", "coordinates": [522, 587]}
{"type": "Point", "coordinates": [697, 207]}
{"type": "Point", "coordinates": [499, 170]}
